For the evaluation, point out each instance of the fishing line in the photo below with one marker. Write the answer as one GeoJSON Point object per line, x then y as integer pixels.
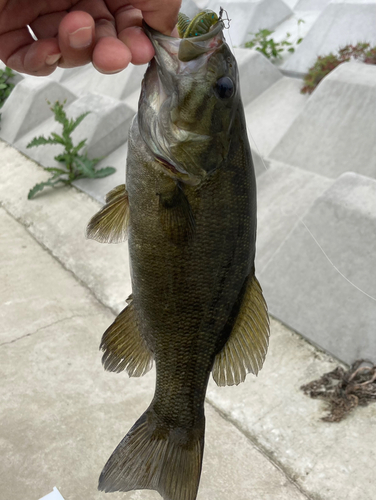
{"type": "Point", "coordinates": [310, 233]}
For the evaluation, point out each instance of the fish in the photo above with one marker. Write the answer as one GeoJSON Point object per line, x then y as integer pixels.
{"type": "Point", "coordinates": [188, 209]}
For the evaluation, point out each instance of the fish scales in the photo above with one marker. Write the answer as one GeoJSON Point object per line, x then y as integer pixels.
{"type": "Point", "coordinates": [190, 214]}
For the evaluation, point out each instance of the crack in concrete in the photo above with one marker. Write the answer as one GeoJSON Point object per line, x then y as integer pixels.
{"type": "Point", "coordinates": [288, 474]}
{"type": "Point", "coordinates": [27, 225]}
{"type": "Point", "coordinates": [47, 326]}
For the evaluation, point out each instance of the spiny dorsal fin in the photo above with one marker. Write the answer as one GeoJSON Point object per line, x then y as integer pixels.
{"type": "Point", "coordinates": [247, 345]}
{"type": "Point", "coordinates": [123, 346]}
{"type": "Point", "coordinates": [110, 224]}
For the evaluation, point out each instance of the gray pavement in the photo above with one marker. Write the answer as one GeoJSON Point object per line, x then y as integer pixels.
{"type": "Point", "coordinates": [62, 414]}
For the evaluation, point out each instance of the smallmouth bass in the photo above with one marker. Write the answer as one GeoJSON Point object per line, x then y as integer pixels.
{"type": "Point", "coordinates": [189, 211]}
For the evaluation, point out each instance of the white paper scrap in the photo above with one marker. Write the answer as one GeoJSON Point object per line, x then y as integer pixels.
{"type": "Point", "coordinates": [54, 495]}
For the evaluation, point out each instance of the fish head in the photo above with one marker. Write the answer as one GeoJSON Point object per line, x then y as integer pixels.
{"type": "Point", "coordinates": [188, 102]}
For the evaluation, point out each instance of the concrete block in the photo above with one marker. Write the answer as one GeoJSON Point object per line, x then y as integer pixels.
{"type": "Point", "coordinates": [336, 130]}
{"type": "Point", "coordinates": [340, 23]}
{"type": "Point", "coordinates": [314, 296]}
{"type": "Point", "coordinates": [106, 128]}
{"type": "Point", "coordinates": [309, 5]}
{"type": "Point", "coordinates": [270, 115]}
{"type": "Point", "coordinates": [26, 106]}
{"type": "Point", "coordinates": [284, 194]}
{"type": "Point", "coordinates": [256, 73]}
{"type": "Point", "coordinates": [189, 8]}
{"type": "Point", "coordinates": [117, 86]}
{"type": "Point", "coordinates": [249, 16]}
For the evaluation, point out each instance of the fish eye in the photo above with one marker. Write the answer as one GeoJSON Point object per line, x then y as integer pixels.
{"type": "Point", "coordinates": [224, 87]}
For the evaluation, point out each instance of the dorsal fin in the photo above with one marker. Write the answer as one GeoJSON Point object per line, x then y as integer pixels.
{"type": "Point", "coordinates": [110, 224]}
{"type": "Point", "coordinates": [246, 348]}
{"type": "Point", "coordinates": [123, 346]}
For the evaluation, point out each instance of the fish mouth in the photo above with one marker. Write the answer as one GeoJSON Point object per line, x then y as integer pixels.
{"type": "Point", "coordinates": [175, 58]}
{"type": "Point", "coordinates": [186, 49]}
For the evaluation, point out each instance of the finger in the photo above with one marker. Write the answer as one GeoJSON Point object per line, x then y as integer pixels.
{"type": "Point", "coordinates": [159, 14]}
{"type": "Point", "coordinates": [21, 53]}
{"type": "Point", "coordinates": [110, 55]}
{"type": "Point", "coordinates": [138, 43]}
{"type": "Point", "coordinates": [76, 39]}
{"type": "Point", "coordinates": [47, 26]}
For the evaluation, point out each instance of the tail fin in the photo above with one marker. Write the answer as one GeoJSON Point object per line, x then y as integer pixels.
{"type": "Point", "coordinates": [149, 457]}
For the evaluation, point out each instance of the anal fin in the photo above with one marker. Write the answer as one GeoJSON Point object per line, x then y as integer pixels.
{"type": "Point", "coordinates": [123, 346]}
{"type": "Point", "coordinates": [246, 348]}
{"type": "Point", "coordinates": [110, 224]}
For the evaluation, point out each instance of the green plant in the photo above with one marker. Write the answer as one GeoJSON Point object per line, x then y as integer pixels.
{"type": "Point", "coordinates": [325, 64]}
{"type": "Point", "coordinates": [6, 86]}
{"type": "Point", "coordinates": [75, 165]}
{"type": "Point", "coordinates": [271, 49]}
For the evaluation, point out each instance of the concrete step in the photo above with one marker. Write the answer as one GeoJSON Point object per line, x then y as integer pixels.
{"type": "Point", "coordinates": [335, 131]}
{"type": "Point", "coordinates": [327, 289]}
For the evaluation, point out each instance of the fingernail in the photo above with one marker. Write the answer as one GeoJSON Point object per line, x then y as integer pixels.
{"type": "Point", "coordinates": [81, 38]}
{"type": "Point", "coordinates": [107, 72]}
{"type": "Point", "coordinates": [52, 59]}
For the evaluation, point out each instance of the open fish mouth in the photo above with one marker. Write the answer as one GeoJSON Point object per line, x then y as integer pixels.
{"type": "Point", "coordinates": [175, 60]}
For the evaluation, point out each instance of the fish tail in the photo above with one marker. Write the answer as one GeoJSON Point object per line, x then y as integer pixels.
{"type": "Point", "coordinates": [155, 458]}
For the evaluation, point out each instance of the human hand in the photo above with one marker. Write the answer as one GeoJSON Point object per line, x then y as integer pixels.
{"type": "Point", "coordinates": [75, 32]}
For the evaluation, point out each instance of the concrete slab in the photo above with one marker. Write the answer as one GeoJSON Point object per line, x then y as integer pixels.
{"type": "Point", "coordinates": [327, 461]}
{"type": "Point", "coordinates": [340, 23]}
{"type": "Point", "coordinates": [105, 128]}
{"type": "Point", "coordinates": [306, 292]}
{"type": "Point", "coordinates": [284, 194]}
{"type": "Point", "coordinates": [249, 16]}
{"type": "Point", "coordinates": [335, 131]}
{"type": "Point", "coordinates": [58, 219]}
{"type": "Point", "coordinates": [27, 307]}
{"type": "Point", "coordinates": [272, 113]}
{"type": "Point", "coordinates": [62, 414]}
{"type": "Point", "coordinates": [256, 73]}
{"type": "Point", "coordinates": [26, 106]}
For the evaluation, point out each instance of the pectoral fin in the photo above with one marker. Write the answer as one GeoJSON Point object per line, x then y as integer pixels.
{"type": "Point", "coordinates": [123, 346]}
{"type": "Point", "coordinates": [247, 345]}
{"type": "Point", "coordinates": [176, 215]}
{"type": "Point", "coordinates": [110, 224]}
